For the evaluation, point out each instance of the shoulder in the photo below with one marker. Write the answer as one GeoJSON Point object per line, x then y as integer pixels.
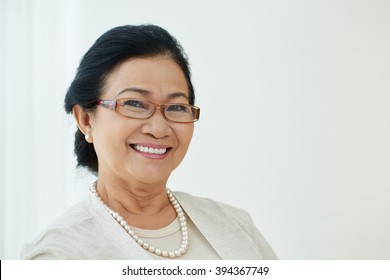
{"type": "Point", "coordinates": [197, 200]}
{"type": "Point", "coordinates": [202, 203]}
{"type": "Point", "coordinates": [220, 211]}
{"type": "Point", "coordinates": [75, 215]}
{"type": "Point", "coordinates": [64, 235]}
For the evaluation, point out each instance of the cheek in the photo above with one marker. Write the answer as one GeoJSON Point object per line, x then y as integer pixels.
{"type": "Point", "coordinates": [185, 135]}
{"type": "Point", "coordinates": [111, 133]}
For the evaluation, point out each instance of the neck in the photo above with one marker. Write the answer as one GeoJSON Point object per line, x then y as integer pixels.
{"type": "Point", "coordinates": [142, 205]}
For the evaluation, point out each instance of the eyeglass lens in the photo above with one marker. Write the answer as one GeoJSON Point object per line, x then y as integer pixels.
{"type": "Point", "coordinates": [138, 109]}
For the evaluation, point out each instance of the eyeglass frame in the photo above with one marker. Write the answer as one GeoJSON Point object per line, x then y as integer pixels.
{"type": "Point", "coordinates": [111, 104]}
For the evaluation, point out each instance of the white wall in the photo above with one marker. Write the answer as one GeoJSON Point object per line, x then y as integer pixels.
{"type": "Point", "coordinates": [295, 122]}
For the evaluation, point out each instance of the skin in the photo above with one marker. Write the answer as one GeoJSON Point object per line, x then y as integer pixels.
{"type": "Point", "coordinates": [130, 182]}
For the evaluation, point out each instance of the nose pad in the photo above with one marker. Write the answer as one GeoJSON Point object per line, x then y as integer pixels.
{"type": "Point", "coordinates": [160, 109]}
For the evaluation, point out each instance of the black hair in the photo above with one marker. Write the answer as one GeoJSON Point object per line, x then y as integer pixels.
{"type": "Point", "coordinates": [109, 50]}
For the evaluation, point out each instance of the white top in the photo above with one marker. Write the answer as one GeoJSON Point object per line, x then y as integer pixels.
{"type": "Point", "coordinates": [88, 231]}
{"type": "Point", "coordinates": [169, 239]}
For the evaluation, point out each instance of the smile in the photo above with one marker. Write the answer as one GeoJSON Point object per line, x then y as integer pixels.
{"type": "Point", "coordinates": [150, 150]}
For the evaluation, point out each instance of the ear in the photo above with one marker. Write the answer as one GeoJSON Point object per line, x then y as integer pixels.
{"type": "Point", "coordinates": [83, 119]}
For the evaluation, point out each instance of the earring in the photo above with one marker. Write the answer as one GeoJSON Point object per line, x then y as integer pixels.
{"type": "Point", "coordinates": [88, 137]}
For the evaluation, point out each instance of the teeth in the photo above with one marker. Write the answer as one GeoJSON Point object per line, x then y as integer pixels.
{"type": "Point", "coordinates": [150, 150]}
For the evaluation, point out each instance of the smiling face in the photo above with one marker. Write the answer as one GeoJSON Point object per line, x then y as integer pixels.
{"type": "Point", "coordinates": [141, 150]}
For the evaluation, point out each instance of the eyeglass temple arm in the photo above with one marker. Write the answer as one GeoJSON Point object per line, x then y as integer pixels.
{"type": "Point", "coordinates": [108, 103]}
{"type": "Point", "coordinates": [197, 113]}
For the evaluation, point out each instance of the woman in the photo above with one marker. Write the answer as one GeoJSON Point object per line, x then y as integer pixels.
{"type": "Point", "coordinates": [133, 101]}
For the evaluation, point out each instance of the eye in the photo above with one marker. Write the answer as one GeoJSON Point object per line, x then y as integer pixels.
{"type": "Point", "coordinates": [133, 103]}
{"type": "Point", "coordinates": [177, 108]}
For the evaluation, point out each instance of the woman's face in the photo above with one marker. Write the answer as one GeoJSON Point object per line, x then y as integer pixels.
{"type": "Point", "coordinates": [123, 144]}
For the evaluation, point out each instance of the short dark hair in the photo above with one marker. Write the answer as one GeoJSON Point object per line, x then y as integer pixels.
{"type": "Point", "coordinates": [109, 50]}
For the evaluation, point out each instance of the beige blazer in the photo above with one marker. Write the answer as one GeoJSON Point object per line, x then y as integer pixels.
{"type": "Point", "coordinates": [87, 231]}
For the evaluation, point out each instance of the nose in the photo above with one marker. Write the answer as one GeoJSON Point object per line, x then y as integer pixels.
{"type": "Point", "coordinates": [157, 126]}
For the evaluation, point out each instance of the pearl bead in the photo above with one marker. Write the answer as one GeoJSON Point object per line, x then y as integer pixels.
{"type": "Point", "coordinates": [171, 254]}
{"type": "Point", "coordinates": [177, 253]}
{"type": "Point", "coordinates": [158, 252]}
{"type": "Point", "coordinates": [164, 254]}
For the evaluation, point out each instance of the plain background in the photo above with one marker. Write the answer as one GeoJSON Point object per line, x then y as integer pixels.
{"type": "Point", "coordinates": [295, 124]}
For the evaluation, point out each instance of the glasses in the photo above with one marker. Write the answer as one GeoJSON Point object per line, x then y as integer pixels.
{"type": "Point", "coordinates": [138, 109]}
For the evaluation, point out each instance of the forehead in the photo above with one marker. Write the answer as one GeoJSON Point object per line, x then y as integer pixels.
{"type": "Point", "coordinates": [158, 75]}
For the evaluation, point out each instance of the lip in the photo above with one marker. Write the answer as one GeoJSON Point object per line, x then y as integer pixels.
{"type": "Point", "coordinates": [151, 145]}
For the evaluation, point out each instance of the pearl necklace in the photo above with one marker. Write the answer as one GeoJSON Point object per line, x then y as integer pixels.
{"type": "Point", "coordinates": [152, 249]}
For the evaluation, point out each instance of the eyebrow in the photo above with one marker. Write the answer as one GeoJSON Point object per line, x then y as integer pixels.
{"type": "Point", "coordinates": [138, 90]}
{"type": "Point", "coordinates": [146, 92]}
